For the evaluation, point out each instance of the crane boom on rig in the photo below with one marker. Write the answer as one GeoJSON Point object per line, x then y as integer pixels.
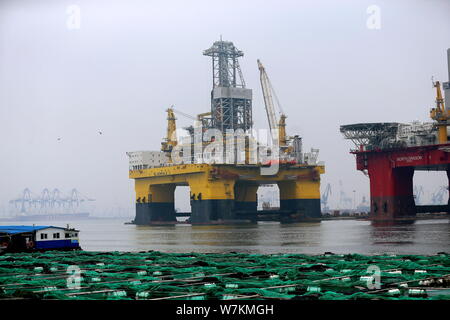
{"type": "Point", "coordinates": [440, 114]}
{"type": "Point", "coordinates": [268, 94]}
{"type": "Point", "coordinates": [170, 141]}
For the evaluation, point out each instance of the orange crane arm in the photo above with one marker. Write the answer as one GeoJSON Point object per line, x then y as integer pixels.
{"type": "Point", "coordinates": [170, 140]}
{"type": "Point", "coordinates": [440, 114]}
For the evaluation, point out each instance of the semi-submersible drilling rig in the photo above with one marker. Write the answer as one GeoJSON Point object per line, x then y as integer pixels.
{"type": "Point", "coordinates": [389, 153]}
{"type": "Point", "coordinates": [223, 181]}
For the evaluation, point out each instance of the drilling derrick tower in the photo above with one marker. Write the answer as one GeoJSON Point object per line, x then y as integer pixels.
{"type": "Point", "coordinates": [231, 101]}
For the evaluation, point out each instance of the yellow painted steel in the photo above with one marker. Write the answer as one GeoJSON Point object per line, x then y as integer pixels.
{"type": "Point", "coordinates": [245, 192]}
{"type": "Point", "coordinates": [169, 171]}
{"type": "Point", "coordinates": [148, 192]}
{"type": "Point", "coordinates": [282, 131]}
{"type": "Point", "coordinates": [440, 114]}
{"type": "Point", "coordinates": [211, 189]}
{"type": "Point", "coordinates": [162, 193]}
{"type": "Point", "coordinates": [141, 188]}
{"type": "Point", "coordinates": [303, 189]}
{"type": "Point", "coordinates": [214, 181]}
{"type": "Point", "coordinates": [171, 140]}
{"type": "Point", "coordinates": [200, 116]}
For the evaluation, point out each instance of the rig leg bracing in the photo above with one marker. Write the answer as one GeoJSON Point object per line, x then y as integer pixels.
{"type": "Point", "coordinates": [301, 196]}
{"type": "Point", "coordinates": [391, 189]}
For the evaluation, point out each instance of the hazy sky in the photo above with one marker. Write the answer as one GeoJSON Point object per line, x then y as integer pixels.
{"type": "Point", "coordinates": [130, 60]}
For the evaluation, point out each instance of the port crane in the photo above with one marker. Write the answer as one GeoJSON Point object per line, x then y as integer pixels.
{"type": "Point", "coordinates": [364, 206]}
{"type": "Point", "coordinates": [438, 196]}
{"type": "Point", "coordinates": [344, 201]}
{"type": "Point", "coordinates": [29, 201]}
{"type": "Point", "coordinates": [418, 193]}
{"type": "Point", "coordinates": [324, 198]}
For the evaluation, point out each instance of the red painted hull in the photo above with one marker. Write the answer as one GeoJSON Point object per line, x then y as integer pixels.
{"type": "Point", "coordinates": [391, 177]}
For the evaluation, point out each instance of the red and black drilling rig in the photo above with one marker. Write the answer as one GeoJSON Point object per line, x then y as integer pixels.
{"type": "Point", "coordinates": [389, 153]}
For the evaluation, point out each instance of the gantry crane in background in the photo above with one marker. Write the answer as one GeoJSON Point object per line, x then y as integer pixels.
{"type": "Point", "coordinates": [364, 206]}
{"type": "Point", "coordinates": [418, 193]}
{"type": "Point", "coordinates": [437, 197]}
{"type": "Point", "coordinates": [48, 200]}
{"type": "Point", "coordinates": [345, 202]}
{"type": "Point", "coordinates": [324, 198]}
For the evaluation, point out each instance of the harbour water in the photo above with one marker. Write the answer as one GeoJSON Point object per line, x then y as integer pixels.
{"type": "Point", "coordinates": [425, 237]}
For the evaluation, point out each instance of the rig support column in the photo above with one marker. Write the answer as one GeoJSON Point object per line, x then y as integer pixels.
{"type": "Point", "coordinates": [154, 203]}
{"type": "Point", "coordinates": [246, 201]}
{"type": "Point", "coordinates": [212, 201]}
{"type": "Point", "coordinates": [301, 198]}
{"type": "Point", "coordinates": [391, 189]}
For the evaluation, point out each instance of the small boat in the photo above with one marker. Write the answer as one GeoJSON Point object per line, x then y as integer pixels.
{"type": "Point", "coordinates": [38, 238]}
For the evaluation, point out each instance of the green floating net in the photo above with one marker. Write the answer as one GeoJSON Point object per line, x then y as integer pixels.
{"type": "Point", "coordinates": [226, 276]}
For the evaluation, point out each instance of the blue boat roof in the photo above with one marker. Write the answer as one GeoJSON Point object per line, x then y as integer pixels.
{"type": "Point", "coordinates": [23, 229]}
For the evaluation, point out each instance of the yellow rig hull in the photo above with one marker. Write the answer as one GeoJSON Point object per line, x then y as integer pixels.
{"type": "Point", "coordinates": [223, 194]}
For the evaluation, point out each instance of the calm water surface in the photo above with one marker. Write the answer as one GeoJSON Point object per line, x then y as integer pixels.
{"type": "Point", "coordinates": [338, 236]}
